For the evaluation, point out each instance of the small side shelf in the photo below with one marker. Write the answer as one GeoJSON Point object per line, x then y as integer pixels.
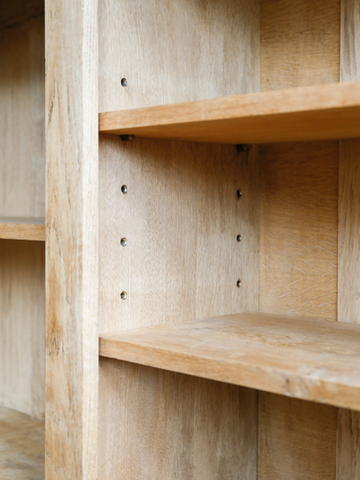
{"type": "Point", "coordinates": [22, 228]}
{"type": "Point", "coordinates": [321, 112]}
{"type": "Point", "coordinates": [309, 359]}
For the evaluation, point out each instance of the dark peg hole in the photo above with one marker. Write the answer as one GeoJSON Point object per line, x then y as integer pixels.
{"type": "Point", "coordinates": [123, 82]}
{"type": "Point", "coordinates": [242, 148]}
{"type": "Point", "coordinates": [124, 189]}
{"type": "Point", "coordinates": [238, 193]}
{"type": "Point", "coordinates": [238, 238]}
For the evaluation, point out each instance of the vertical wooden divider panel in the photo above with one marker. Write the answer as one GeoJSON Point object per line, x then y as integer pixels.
{"type": "Point", "coordinates": [181, 217]}
{"type": "Point", "coordinates": [298, 230]}
{"type": "Point", "coordinates": [72, 233]}
{"type": "Point", "coordinates": [22, 193]}
{"type": "Point", "coordinates": [348, 428]}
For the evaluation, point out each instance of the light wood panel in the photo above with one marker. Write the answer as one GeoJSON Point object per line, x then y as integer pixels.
{"type": "Point", "coordinates": [348, 426]}
{"type": "Point", "coordinates": [298, 357]}
{"type": "Point", "coordinates": [300, 437]}
{"type": "Point", "coordinates": [176, 51]}
{"type": "Point", "coordinates": [348, 445]}
{"type": "Point", "coordinates": [22, 326]}
{"type": "Point", "coordinates": [72, 246]}
{"type": "Point", "coordinates": [22, 446]}
{"type": "Point", "coordinates": [308, 113]}
{"type": "Point", "coordinates": [181, 217]}
{"type": "Point", "coordinates": [298, 237]}
{"type": "Point", "coordinates": [22, 228]}
{"type": "Point", "coordinates": [300, 45]}
{"type": "Point", "coordinates": [22, 98]}
{"type": "Point", "coordinates": [194, 428]}
{"type": "Point", "coordinates": [18, 11]}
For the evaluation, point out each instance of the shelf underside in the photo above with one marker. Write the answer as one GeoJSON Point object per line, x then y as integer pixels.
{"type": "Point", "coordinates": [22, 446]}
{"type": "Point", "coordinates": [309, 359]}
{"type": "Point", "coordinates": [320, 112]}
{"type": "Point", "coordinates": [22, 228]}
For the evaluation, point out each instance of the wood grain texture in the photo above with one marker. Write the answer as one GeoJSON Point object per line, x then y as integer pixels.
{"type": "Point", "coordinates": [176, 51]}
{"type": "Point", "coordinates": [348, 445]}
{"type": "Point", "coordinates": [194, 428]}
{"type": "Point", "coordinates": [22, 228]}
{"type": "Point", "coordinates": [298, 236]}
{"type": "Point", "coordinates": [22, 446]}
{"type": "Point", "coordinates": [300, 46]}
{"type": "Point", "coordinates": [181, 217]}
{"type": "Point", "coordinates": [309, 113]}
{"type": "Point", "coordinates": [349, 232]}
{"type": "Point", "coordinates": [22, 326]}
{"type": "Point", "coordinates": [348, 426]}
{"type": "Point", "coordinates": [22, 98]}
{"type": "Point", "coordinates": [350, 41]}
{"type": "Point", "coordinates": [18, 11]}
{"type": "Point", "coordinates": [300, 43]}
{"type": "Point", "coordinates": [298, 357]}
{"type": "Point", "coordinates": [72, 246]}
{"type": "Point", "coordinates": [300, 439]}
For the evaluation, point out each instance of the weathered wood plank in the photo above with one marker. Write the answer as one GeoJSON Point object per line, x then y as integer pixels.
{"type": "Point", "coordinates": [72, 232]}
{"type": "Point", "coordinates": [22, 228]}
{"type": "Point", "coordinates": [303, 358]}
{"type": "Point", "coordinates": [308, 113]}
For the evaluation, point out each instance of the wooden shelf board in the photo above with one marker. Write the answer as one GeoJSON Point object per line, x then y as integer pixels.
{"type": "Point", "coordinates": [22, 446]}
{"type": "Point", "coordinates": [22, 228]}
{"type": "Point", "coordinates": [309, 359]}
{"type": "Point", "coordinates": [320, 112]}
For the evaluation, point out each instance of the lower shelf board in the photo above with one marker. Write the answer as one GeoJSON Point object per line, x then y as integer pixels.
{"type": "Point", "coordinates": [22, 446]}
{"type": "Point", "coordinates": [309, 359]}
{"type": "Point", "coordinates": [22, 228]}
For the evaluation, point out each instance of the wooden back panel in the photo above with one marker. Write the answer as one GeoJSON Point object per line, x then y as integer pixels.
{"type": "Point", "coordinates": [22, 120]}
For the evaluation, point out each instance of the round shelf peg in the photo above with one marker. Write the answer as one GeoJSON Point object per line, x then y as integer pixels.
{"type": "Point", "coordinates": [238, 283]}
{"type": "Point", "coordinates": [123, 82]}
{"type": "Point", "coordinates": [123, 242]}
{"type": "Point", "coordinates": [123, 295]}
{"type": "Point", "coordinates": [124, 189]}
{"type": "Point", "coordinates": [238, 238]}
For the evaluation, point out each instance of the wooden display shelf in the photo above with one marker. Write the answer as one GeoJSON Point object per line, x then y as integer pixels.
{"type": "Point", "coordinates": [320, 112]}
{"type": "Point", "coordinates": [22, 228]}
{"type": "Point", "coordinates": [309, 359]}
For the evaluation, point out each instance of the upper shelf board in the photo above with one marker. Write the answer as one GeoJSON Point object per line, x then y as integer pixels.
{"type": "Point", "coordinates": [320, 112]}
{"type": "Point", "coordinates": [22, 228]}
{"type": "Point", "coordinates": [309, 359]}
